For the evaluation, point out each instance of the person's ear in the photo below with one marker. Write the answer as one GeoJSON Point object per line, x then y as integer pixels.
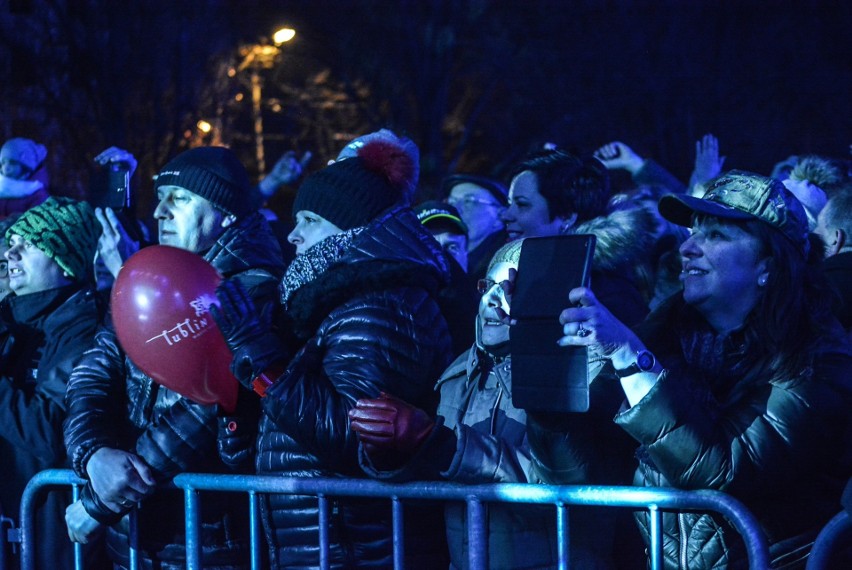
{"type": "Point", "coordinates": [763, 271]}
{"type": "Point", "coordinates": [838, 241]}
{"type": "Point", "coordinates": [228, 220]}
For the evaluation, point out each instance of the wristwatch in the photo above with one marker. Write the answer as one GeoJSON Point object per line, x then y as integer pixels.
{"type": "Point", "coordinates": [645, 362]}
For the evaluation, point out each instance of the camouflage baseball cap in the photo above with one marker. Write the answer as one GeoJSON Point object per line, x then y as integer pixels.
{"type": "Point", "coordinates": [739, 195]}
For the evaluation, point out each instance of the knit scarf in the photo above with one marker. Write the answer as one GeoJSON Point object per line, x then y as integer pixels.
{"type": "Point", "coordinates": [315, 261]}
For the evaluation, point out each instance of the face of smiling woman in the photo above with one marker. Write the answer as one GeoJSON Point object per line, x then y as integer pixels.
{"type": "Point", "coordinates": [721, 272]}
{"type": "Point", "coordinates": [528, 214]}
{"type": "Point", "coordinates": [494, 306]}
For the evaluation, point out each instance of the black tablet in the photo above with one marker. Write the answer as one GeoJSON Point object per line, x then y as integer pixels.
{"type": "Point", "coordinates": [546, 376]}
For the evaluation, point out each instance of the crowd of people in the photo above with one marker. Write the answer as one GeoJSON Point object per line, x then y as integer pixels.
{"type": "Point", "coordinates": [375, 342]}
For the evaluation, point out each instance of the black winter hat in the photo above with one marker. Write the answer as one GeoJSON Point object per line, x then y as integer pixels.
{"type": "Point", "coordinates": [349, 193]}
{"type": "Point", "coordinates": [214, 173]}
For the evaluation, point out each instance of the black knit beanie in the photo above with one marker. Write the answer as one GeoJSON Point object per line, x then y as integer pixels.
{"type": "Point", "coordinates": [214, 173]}
{"type": "Point", "coordinates": [351, 192]}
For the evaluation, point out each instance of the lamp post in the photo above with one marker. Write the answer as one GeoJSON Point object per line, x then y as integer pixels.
{"type": "Point", "coordinates": [256, 57]}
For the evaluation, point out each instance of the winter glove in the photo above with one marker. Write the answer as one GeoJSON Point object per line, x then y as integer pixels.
{"type": "Point", "coordinates": [387, 422]}
{"type": "Point", "coordinates": [248, 334]}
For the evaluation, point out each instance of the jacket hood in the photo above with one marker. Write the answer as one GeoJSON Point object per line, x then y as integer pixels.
{"type": "Point", "coordinates": [397, 236]}
{"type": "Point", "coordinates": [623, 237]}
{"type": "Point", "coordinates": [394, 250]}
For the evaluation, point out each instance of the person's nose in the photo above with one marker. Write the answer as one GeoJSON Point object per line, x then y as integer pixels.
{"type": "Point", "coordinates": [507, 215]}
{"type": "Point", "coordinates": [690, 248]}
{"type": "Point", "coordinates": [12, 252]}
{"type": "Point", "coordinates": [295, 237]}
{"type": "Point", "coordinates": [162, 211]}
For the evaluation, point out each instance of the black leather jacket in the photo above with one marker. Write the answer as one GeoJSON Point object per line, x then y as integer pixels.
{"type": "Point", "coordinates": [112, 403]}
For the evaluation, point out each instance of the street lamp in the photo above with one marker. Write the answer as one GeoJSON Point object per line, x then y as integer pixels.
{"type": "Point", "coordinates": [256, 57]}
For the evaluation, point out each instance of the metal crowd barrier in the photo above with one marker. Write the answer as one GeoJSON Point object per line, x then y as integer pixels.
{"type": "Point", "coordinates": [829, 541]}
{"type": "Point", "coordinates": [654, 500]}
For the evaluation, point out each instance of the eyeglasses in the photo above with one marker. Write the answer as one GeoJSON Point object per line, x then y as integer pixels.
{"type": "Point", "coordinates": [484, 285]}
{"type": "Point", "coordinates": [470, 201]}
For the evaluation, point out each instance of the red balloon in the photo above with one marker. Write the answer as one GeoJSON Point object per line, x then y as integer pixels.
{"type": "Point", "coordinates": [160, 308]}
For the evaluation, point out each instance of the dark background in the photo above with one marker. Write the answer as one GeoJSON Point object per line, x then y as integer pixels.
{"type": "Point", "coordinates": [476, 84]}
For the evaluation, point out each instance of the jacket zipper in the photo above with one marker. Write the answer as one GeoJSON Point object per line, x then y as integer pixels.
{"type": "Point", "coordinates": [682, 530]}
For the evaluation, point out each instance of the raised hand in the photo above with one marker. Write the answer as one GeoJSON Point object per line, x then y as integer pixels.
{"type": "Point", "coordinates": [287, 170]}
{"type": "Point", "coordinates": [115, 244]}
{"type": "Point", "coordinates": [708, 163]}
{"type": "Point", "coordinates": [618, 156]}
{"type": "Point", "coordinates": [115, 154]}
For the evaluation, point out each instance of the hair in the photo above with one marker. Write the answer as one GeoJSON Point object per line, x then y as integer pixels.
{"type": "Point", "coordinates": [570, 184]}
{"type": "Point", "coordinates": [821, 172]}
{"type": "Point", "coordinates": [838, 212]}
{"type": "Point", "coordinates": [795, 306]}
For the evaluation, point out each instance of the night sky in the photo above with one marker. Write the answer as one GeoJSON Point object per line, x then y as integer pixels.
{"type": "Point", "coordinates": [476, 84]}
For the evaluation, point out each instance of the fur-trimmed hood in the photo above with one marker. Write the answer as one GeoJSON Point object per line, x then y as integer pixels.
{"type": "Point", "coordinates": [624, 237]}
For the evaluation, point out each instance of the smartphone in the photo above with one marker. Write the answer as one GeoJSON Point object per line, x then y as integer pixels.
{"type": "Point", "coordinates": [545, 376]}
{"type": "Point", "coordinates": [109, 186]}
{"type": "Point", "coordinates": [117, 195]}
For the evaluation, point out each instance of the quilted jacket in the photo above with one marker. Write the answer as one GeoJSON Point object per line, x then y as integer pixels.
{"type": "Point", "coordinates": [112, 403]}
{"type": "Point", "coordinates": [374, 325]}
{"type": "Point", "coordinates": [722, 417]}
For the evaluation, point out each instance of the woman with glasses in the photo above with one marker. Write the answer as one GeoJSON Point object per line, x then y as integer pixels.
{"type": "Point", "coordinates": [742, 383]}
{"type": "Point", "coordinates": [554, 192]}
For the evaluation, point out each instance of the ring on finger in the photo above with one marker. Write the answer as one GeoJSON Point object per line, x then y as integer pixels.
{"type": "Point", "coordinates": [583, 332]}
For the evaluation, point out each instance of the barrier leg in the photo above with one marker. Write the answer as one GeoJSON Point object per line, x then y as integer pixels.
{"type": "Point", "coordinates": [325, 563]}
{"type": "Point", "coordinates": [563, 537]}
{"type": "Point", "coordinates": [656, 545]}
{"type": "Point", "coordinates": [398, 534]}
{"type": "Point", "coordinates": [254, 530]}
{"type": "Point", "coordinates": [477, 534]}
{"type": "Point", "coordinates": [193, 544]}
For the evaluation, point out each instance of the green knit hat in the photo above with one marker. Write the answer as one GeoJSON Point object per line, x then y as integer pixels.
{"type": "Point", "coordinates": [66, 230]}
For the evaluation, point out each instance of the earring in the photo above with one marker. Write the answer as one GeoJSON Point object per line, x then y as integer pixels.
{"type": "Point", "coordinates": [762, 280]}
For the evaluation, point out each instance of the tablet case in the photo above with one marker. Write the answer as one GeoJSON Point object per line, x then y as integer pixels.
{"type": "Point", "coordinates": [546, 376]}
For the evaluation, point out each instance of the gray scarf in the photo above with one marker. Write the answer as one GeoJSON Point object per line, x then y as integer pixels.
{"type": "Point", "coordinates": [315, 261]}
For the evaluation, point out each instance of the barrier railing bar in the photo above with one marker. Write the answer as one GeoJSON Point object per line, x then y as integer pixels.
{"type": "Point", "coordinates": [254, 530]}
{"type": "Point", "coordinates": [563, 542]}
{"type": "Point", "coordinates": [828, 540]}
{"type": "Point", "coordinates": [647, 498]}
{"type": "Point", "coordinates": [398, 534]}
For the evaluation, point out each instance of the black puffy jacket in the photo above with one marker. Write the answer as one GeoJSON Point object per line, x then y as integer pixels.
{"type": "Point", "coordinates": [47, 333]}
{"type": "Point", "coordinates": [112, 403]}
{"type": "Point", "coordinates": [375, 326]}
